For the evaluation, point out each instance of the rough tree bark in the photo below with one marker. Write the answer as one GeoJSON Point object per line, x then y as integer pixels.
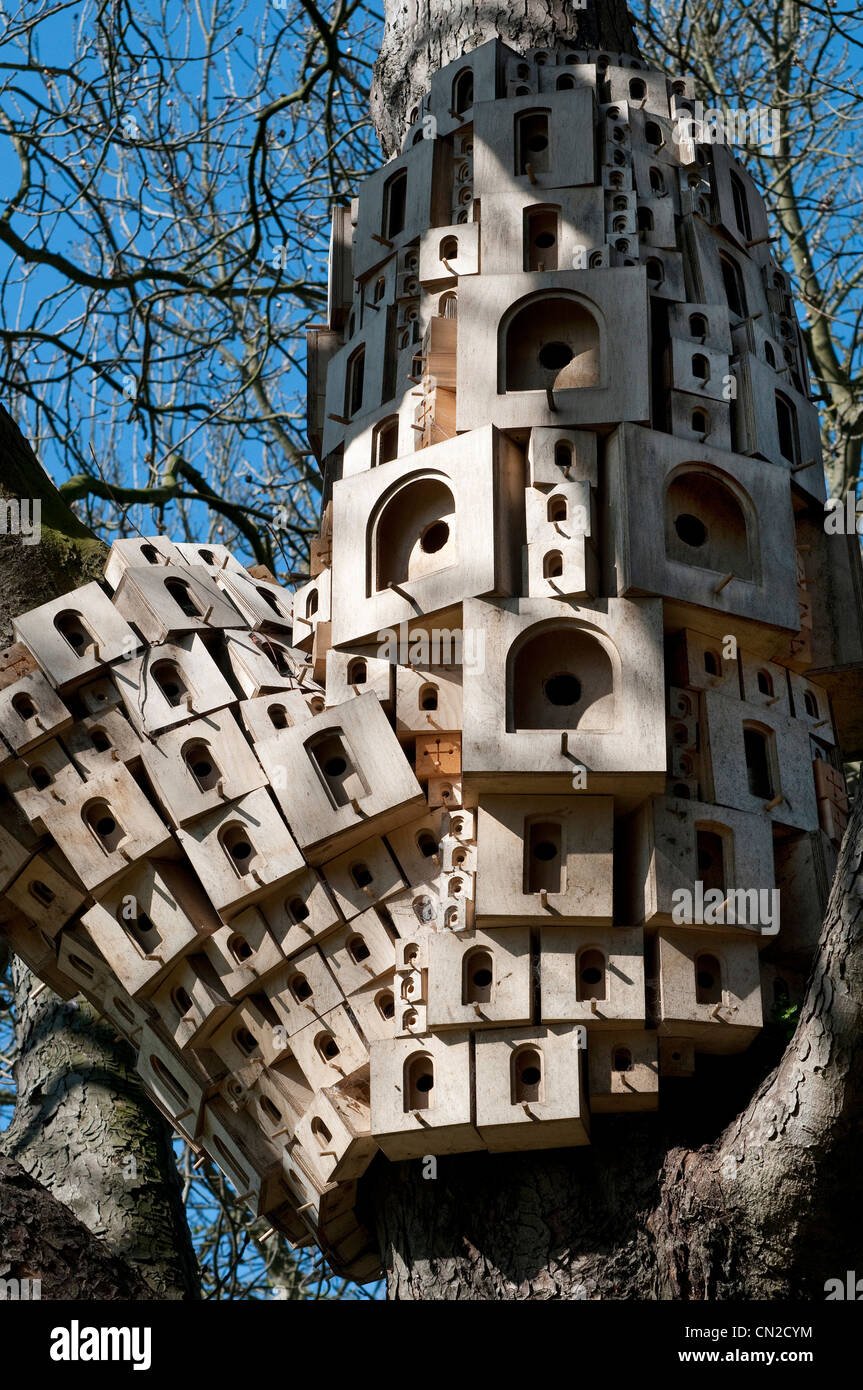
{"type": "Point", "coordinates": [41, 1239]}
{"type": "Point", "coordinates": [424, 35]}
{"type": "Point", "coordinates": [81, 1114]}
{"type": "Point", "coordinates": [739, 1189]}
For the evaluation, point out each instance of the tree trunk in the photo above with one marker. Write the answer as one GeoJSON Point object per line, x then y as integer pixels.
{"type": "Point", "coordinates": [82, 1124]}
{"type": "Point", "coordinates": [67, 554]}
{"type": "Point", "coordinates": [84, 1128]}
{"type": "Point", "coordinates": [739, 1187]}
{"type": "Point", "coordinates": [41, 1239]}
{"type": "Point", "coordinates": [422, 36]}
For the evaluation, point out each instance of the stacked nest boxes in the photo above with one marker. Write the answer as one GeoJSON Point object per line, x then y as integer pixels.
{"type": "Point", "coordinates": [588, 467]}
{"type": "Point", "coordinates": [477, 834]}
{"type": "Point", "coordinates": [152, 730]}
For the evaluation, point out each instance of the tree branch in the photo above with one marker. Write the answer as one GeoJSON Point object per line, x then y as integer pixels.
{"type": "Point", "coordinates": [41, 1239]}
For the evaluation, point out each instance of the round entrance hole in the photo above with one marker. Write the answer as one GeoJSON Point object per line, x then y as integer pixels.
{"type": "Point", "coordinates": [531, 1076]}
{"type": "Point", "coordinates": [334, 767]}
{"type": "Point", "coordinates": [435, 537]}
{"type": "Point", "coordinates": [545, 851]}
{"type": "Point", "coordinates": [425, 1082]}
{"type": "Point", "coordinates": [544, 240]}
{"type": "Point", "coordinates": [562, 689]}
{"type": "Point", "coordinates": [555, 356]}
{"type": "Point", "coordinates": [690, 529]}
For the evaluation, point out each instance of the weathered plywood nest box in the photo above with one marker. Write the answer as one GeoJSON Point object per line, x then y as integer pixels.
{"type": "Point", "coordinates": [477, 833]}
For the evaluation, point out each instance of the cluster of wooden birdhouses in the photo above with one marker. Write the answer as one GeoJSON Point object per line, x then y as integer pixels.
{"type": "Point", "coordinates": [479, 832]}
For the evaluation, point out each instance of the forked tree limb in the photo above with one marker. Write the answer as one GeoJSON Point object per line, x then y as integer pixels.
{"type": "Point", "coordinates": [41, 1239]}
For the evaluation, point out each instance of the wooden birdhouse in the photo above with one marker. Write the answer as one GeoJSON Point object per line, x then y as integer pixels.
{"type": "Point", "coordinates": [73, 637]}
{"type": "Point", "coordinates": [623, 1071]}
{"type": "Point", "coordinates": [530, 1088]}
{"type": "Point", "coordinates": [241, 851]}
{"type": "Point", "coordinates": [710, 990]}
{"type": "Point", "coordinates": [531, 792]}
{"type": "Point", "coordinates": [166, 601]}
{"type": "Point", "coordinates": [339, 776]}
{"type": "Point", "coordinates": [421, 1094]}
